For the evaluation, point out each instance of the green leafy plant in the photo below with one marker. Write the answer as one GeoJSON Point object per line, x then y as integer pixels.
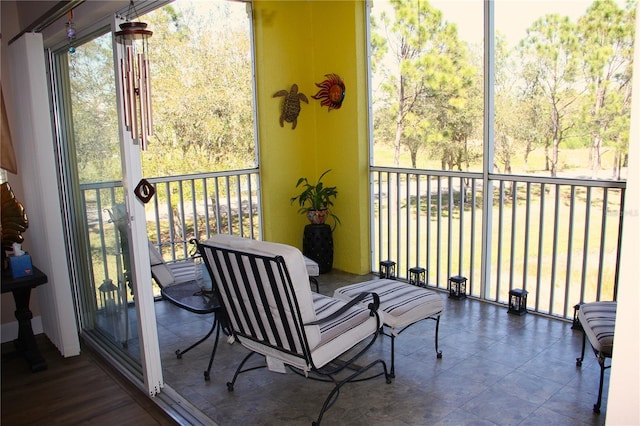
{"type": "Point", "coordinates": [315, 197]}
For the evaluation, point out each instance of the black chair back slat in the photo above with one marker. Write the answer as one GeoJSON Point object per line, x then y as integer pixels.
{"type": "Point", "coordinates": [292, 302]}
{"type": "Point", "coordinates": [280, 290]}
{"type": "Point", "coordinates": [255, 277]}
{"type": "Point", "coordinates": [224, 287]}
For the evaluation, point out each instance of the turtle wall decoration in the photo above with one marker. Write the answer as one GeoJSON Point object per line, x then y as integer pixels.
{"type": "Point", "coordinates": [290, 105]}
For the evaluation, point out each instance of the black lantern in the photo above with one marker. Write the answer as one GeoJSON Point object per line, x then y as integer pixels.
{"type": "Point", "coordinates": [388, 269]}
{"type": "Point", "coordinates": [458, 287]}
{"type": "Point", "coordinates": [108, 295]}
{"type": "Point", "coordinates": [417, 276]}
{"type": "Point", "coordinates": [517, 301]}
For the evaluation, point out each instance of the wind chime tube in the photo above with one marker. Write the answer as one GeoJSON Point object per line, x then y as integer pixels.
{"type": "Point", "coordinates": [132, 95]}
{"type": "Point", "coordinates": [147, 70]}
{"type": "Point", "coordinates": [143, 96]}
{"type": "Point", "coordinates": [125, 94]}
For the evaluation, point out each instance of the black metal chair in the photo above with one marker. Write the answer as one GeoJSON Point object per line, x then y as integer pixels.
{"type": "Point", "coordinates": [264, 288]}
{"type": "Point", "coordinates": [180, 286]}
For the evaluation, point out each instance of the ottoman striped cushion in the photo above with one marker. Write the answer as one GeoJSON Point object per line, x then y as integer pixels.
{"type": "Point", "coordinates": [403, 304]}
{"type": "Point", "coordinates": [598, 320]}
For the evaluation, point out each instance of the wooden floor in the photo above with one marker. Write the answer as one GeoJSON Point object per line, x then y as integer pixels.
{"type": "Point", "coordinates": [76, 390]}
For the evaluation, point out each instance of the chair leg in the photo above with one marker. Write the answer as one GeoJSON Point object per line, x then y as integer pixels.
{"type": "Point", "coordinates": [180, 352]}
{"type": "Point", "coordinates": [333, 395]}
{"type": "Point", "coordinates": [240, 370]}
{"type": "Point", "coordinates": [596, 406]}
{"type": "Point", "coordinates": [438, 352]}
{"type": "Point", "coordinates": [584, 343]}
{"type": "Point", "coordinates": [218, 326]}
{"type": "Point", "coordinates": [392, 372]}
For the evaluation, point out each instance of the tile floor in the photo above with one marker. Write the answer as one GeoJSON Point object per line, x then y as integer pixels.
{"type": "Point", "coordinates": [496, 369]}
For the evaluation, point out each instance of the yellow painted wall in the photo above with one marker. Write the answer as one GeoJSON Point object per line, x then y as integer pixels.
{"type": "Point", "coordinates": [299, 42]}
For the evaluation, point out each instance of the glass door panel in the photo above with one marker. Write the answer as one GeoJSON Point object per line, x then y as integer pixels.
{"type": "Point", "coordinates": [108, 304]}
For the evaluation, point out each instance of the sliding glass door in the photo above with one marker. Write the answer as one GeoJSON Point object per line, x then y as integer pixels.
{"type": "Point", "coordinates": [100, 166]}
{"type": "Point", "coordinates": [204, 123]}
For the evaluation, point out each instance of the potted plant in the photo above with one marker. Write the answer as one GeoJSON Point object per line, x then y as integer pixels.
{"type": "Point", "coordinates": [315, 200]}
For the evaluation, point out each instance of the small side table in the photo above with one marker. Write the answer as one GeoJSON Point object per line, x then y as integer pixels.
{"type": "Point", "coordinates": [26, 343]}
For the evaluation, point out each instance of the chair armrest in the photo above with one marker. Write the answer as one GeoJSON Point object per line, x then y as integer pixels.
{"type": "Point", "coordinates": [373, 307]}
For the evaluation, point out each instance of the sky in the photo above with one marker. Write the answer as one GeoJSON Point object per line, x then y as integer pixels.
{"type": "Point", "coordinates": [512, 17]}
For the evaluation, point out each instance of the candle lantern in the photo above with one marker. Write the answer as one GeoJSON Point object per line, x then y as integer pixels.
{"type": "Point", "coordinates": [458, 287]}
{"type": "Point", "coordinates": [517, 301]}
{"type": "Point", "coordinates": [417, 276]}
{"type": "Point", "coordinates": [388, 269]}
{"type": "Point", "coordinates": [108, 294]}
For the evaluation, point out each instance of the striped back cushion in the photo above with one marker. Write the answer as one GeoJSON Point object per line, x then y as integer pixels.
{"type": "Point", "coordinates": [265, 289]}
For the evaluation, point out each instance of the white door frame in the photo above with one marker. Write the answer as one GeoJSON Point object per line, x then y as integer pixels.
{"type": "Point", "coordinates": [138, 247]}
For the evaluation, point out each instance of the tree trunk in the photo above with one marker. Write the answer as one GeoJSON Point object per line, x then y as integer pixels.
{"type": "Point", "coordinates": [556, 143]}
{"type": "Point", "coordinates": [546, 156]}
{"type": "Point", "coordinates": [399, 125]}
{"type": "Point", "coordinates": [596, 138]}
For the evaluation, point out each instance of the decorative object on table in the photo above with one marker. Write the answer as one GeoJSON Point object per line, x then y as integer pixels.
{"type": "Point", "coordinates": [517, 301]}
{"type": "Point", "coordinates": [14, 222]}
{"type": "Point", "coordinates": [291, 105]}
{"type": "Point", "coordinates": [132, 40]}
{"type": "Point", "coordinates": [7, 153]}
{"type": "Point", "coordinates": [20, 262]}
{"type": "Point", "coordinates": [388, 269]}
{"type": "Point", "coordinates": [315, 200]}
{"type": "Point", "coordinates": [458, 287]}
{"type": "Point", "coordinates": [331, 93]}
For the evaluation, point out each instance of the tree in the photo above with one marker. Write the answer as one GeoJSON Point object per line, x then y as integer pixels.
{"type": "Point", "coordinates": [425, 79]}
{"type": "Point", "coordinates": [93, 107]}
{"type": "Point", "coordinates": [550, 66]}
{"type": "Point", "coordinates": [203, 103]}
{"type": "Point", "coordinates": [606, 40]}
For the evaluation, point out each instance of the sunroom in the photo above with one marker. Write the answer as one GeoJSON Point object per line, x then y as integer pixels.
{"type": "Point", "coordinates": [407, 193]}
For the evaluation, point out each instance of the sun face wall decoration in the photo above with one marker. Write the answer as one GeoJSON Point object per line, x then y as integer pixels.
{"type": "Point", "coordinates": [331, 92]}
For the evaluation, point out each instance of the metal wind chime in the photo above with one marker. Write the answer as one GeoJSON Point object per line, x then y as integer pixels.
{"type": "Point", "coordinates": [136, 82]}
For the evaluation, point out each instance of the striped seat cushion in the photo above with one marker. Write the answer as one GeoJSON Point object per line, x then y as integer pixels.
{"type": "Point", "coordinates": [598, 321]}
{"type": "Point", "coordinates": [402, 303]}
